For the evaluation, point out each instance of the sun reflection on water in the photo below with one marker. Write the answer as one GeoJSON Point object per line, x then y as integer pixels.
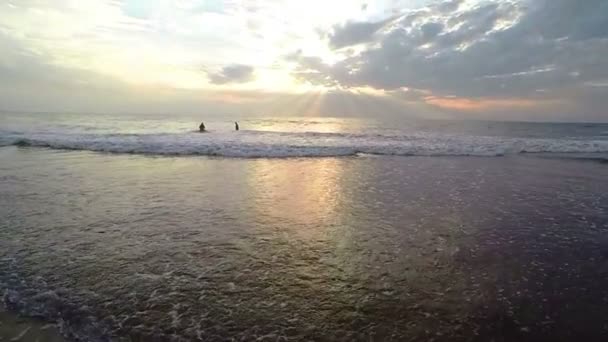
{"type": "Point", "coordinates": [309, 202]}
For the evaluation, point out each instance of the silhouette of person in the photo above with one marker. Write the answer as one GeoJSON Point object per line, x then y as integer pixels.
{"type": "Point", "coordinates": [202, 127]}
{"type": "Point", "coordinates": [236, 126]}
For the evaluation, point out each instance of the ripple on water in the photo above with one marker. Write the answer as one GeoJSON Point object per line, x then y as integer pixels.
{"type": "Point", "coordinates": [348, 249]}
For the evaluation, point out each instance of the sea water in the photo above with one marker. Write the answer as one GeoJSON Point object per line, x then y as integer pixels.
{"type": "Point", "coordinates": [137, 228]}
{"type": "Point", "coordinates": [298, 137]}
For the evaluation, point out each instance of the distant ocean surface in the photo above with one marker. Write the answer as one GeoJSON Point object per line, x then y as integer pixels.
{"type": "Point", "coordinates": [138, 228]}
{"type": "Point", "coordinates": [299, 137]}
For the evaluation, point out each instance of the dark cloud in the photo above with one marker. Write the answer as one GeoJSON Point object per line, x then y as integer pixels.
{"type": "Point", "coordinates": [235, 73]}
{"type": "Point", "coordinates": [476, 23]}
{"type": "Point", "coordinates": [449, 6]}
{"type": "Point", "coordinates": [431, 30]}
{"type": "Point", "coordinates": [493, 49]}
{"type": "Point", "coordinates": [353, 33]}
{"type": "Point", "coordinates": [570, 19]}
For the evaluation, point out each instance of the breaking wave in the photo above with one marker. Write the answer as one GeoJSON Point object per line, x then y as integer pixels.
{"type": "Point", "coordinates": [259, 144]}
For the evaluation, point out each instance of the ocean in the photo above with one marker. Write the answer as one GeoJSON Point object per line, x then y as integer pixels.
{"type": "Point", "coordinates": [139, 228]}
{"type": "Point", "coordinates": [298, 137]}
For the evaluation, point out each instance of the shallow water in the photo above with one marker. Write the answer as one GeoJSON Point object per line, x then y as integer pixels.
{"type": "Point", "coordinates": [127, 247]}
{"type": "Point", "coordinates": [15, 328]}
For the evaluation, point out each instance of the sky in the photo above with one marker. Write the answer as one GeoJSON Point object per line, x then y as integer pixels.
{"type": "Point", "coordinates": [536, 60]}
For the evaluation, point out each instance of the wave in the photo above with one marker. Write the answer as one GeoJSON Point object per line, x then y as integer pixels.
{"type": "Point", "coordinates": [601, 158]}
{"type": "Point", "coordinates": [257, 144]}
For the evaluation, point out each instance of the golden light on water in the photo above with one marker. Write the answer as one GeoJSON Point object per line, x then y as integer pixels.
{"type": "Point", "coordinates": [311, 200]}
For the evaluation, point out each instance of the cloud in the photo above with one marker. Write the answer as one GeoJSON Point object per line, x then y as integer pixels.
{"type": "Point", "coordinates": [430, 30]}
{"type": "Point", "coordinates": [490, 56]}
{"type": "Point", "coordinates": [506, 49]}
{"type": "Point", "coordinates": [32, 82]}
{"type": "Point", "coordinates": [449, 6]}
{"type": "Point", "coordinates": [235, 73]}
{"type": "Point", "coordinates": [353, 33]}
{"type": "Point", "coordinates": [573, 20]}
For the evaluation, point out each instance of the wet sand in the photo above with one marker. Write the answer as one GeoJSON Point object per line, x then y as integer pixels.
{"type": "Point", "coordinates": [23, 329]}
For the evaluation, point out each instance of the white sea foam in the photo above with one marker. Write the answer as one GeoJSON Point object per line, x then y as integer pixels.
{"type": "Point", "coordinates": [258, 144]}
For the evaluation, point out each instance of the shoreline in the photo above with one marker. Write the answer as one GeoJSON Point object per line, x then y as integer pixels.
{"type": "Point", "coordinates": [589, 157]}
{"type": "Point", "coordinates": [14, 327]}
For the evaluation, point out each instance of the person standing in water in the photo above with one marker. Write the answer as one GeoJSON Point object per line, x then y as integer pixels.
{"type": "Point", "coordinates": [202, 127]}
{"type": "Point", "coordinates": [236, 126]}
